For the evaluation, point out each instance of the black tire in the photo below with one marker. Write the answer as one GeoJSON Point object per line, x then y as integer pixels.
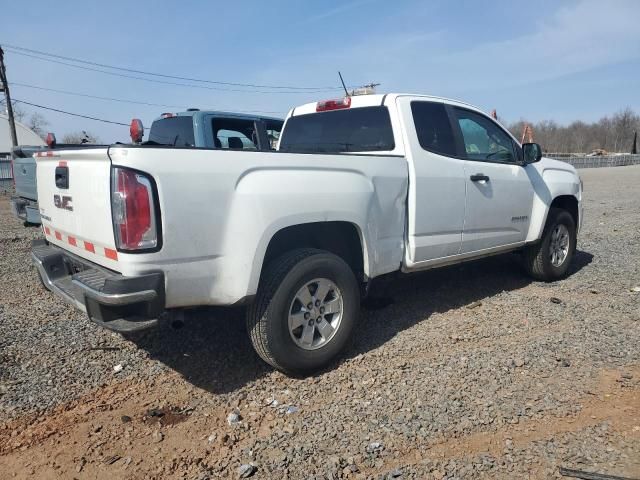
{"type": "Point", "coordinates": [537, 257]}
{"type": "Point", "coordinates": [267, 317]}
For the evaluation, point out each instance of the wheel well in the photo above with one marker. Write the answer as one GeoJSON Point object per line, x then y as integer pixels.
{"type": "Point", "coordinates": [339, 238]}
{"type": "Point", "coordinates": [568, 203]}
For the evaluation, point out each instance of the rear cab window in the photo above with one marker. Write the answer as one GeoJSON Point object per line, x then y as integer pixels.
{"type": "Point", "coordinates": [433, 127]}
{"type": "Point", "coordinates": [234, 134]}
{"type": "Point", "coordinates": [176, 131]}
{"type": "Point", "coordinates": [362, 129]}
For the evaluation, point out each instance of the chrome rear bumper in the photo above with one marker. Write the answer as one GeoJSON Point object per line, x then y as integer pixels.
{"type": "Point", "coordinates": [116, 302]}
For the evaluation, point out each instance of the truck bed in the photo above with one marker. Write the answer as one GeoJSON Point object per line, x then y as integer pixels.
{"type": "Point", "coordinates": [219, 209]}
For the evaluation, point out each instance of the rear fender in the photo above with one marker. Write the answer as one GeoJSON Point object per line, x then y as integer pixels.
{"type": "Point", "coordinates": [375, 206]}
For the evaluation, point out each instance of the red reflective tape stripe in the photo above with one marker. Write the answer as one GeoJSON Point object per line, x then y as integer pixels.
{"type": "Point", "coordinates": [58, 235]}
{"type": "Point", "coordinates": [72, 241]}
{"type": "Point", "coordinates": [110, 253]}
{"type": "Point", "coordinates": [47, 230]}
{"type": "Point", "coordinates": [89, 247]}
{"type": "Point", "coordinates": [62, 163]}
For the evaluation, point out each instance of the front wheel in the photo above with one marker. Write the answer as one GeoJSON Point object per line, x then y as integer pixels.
{"type": "Point", "coordinates": [305, 310]}
{"type": "Point", "coordinates": [550, 258]}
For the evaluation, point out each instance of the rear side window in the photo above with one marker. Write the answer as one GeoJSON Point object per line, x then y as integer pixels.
{"type": "Point", "coordinates": [234, 134]}
{"type": "Point", "coordinates": [433, 127]}
{"type": "Point", "coordinates": [366, 129]}
{"type": "Point", "coordinates": [175, 131]}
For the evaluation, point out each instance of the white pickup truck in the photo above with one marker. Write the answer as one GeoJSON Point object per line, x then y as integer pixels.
{"type": "Point", "coordinates": [359, 187]}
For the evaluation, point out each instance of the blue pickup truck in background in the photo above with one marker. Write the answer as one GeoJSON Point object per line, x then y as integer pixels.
{"type": "Point", "coordinates": [210, 129]}
{"type": "Point", "coordinates": [193, 128]}
{"type": "Point", "coordinates": [25, 202]}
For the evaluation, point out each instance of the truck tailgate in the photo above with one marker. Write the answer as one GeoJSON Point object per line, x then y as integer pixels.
{"type": "Point", "coordinates": [75, 202]}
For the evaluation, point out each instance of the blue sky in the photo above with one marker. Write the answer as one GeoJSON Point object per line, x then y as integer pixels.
{"type": "Point", "coordinates": [561, 60]}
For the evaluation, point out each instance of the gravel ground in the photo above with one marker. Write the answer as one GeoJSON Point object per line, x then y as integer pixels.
{"type": "Point", "coordinates": [471, 371]}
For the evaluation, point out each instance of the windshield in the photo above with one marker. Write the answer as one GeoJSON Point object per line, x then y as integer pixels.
{"type": "Point", "coordinates": [365, 129]}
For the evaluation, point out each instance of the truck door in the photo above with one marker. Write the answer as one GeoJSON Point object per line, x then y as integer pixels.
{"type": "Point", "coordinates": [436, 182]}
{"type": "Point", "coordinates": [499, 192]}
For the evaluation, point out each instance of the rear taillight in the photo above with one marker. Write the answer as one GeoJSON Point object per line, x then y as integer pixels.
{"type": "Point", "coordinates": [133, 209]}
{"type": "Point", "coordinates": [335, 104]}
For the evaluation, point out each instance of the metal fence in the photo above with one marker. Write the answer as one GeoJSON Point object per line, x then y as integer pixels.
{"type": "Point", "coordinates": [583, 161]}
{"type": "Point", "coordinates": [5, 168]}
{"type": "Point", "coordinates": [6, 174]}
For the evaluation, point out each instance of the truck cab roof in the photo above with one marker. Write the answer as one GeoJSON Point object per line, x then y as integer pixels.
{"type": "Point", "coordinates": [217, 113]}
{"type": "Point", "coordinates": [366, 124]}
{"type": "Point", "coordinates": [378, 99]}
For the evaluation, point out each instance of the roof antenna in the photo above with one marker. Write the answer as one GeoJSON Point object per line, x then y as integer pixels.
{"type": "Point", "coordinates": [343, 85]}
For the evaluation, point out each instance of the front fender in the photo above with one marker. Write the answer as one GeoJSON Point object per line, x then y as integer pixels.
{"type": "Point", "coordinates": [550, 179]}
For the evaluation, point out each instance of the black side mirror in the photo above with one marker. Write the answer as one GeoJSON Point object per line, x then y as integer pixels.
{"type": "Point", "coordinates": [532, 152]}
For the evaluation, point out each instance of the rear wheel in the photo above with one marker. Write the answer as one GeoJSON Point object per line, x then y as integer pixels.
{"type": "Point", "coordinates": [550, 258]}
{"type": "Point", "coordinates": [305, 310]}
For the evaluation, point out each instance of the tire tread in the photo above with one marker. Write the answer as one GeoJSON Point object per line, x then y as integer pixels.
{"type": "Point", "coordinates": [269, 282]}
{"type": "Point", "coordinates": [534, 254]}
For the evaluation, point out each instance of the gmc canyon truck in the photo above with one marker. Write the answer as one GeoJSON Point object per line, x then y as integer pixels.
{"type": "Point", "coordinates": [359, 187]}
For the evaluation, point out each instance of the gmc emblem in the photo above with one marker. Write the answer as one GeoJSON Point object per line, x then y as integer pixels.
{"type": "Point", "coordinates": [63, 201]}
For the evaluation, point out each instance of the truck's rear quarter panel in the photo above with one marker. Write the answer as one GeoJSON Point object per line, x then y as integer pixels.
{"type": "Point", "coordinates": [219, 210]}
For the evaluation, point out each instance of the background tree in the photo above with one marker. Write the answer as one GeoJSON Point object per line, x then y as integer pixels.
{"type": "Point", "coordinates": [80, 137]}
{"type": "Point", "coordinates": [35, 121]}
{"type": "Point", "coordinates": [18, 112]}
{"type": "Point", "coordinates": [38, 124]}
{"type": "Point", "coordinates": [612, 134]}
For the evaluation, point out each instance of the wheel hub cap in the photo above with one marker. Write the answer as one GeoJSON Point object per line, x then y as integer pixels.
{"type": "Point", "coordinates": [315, 314]}
{"type": "Point", "coordinates": [559, 246]}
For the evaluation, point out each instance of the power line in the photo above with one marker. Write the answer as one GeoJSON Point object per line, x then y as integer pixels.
{"type": "Point", "coordinates": [153, 80]}
{"type": "Point", "coordinates": [69, 113]}
{"type": "Point", "coordinates": [112, 99]}
{"type": "Point", "coordinates": [235, 84]}
{"type": "Point", "coordinates": [21, 50]}
{"type": "Point", "coordinates": [17, 84]}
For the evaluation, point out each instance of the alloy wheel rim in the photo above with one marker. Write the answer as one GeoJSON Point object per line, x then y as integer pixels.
{"type": "Point", "coordinates": [315, 314]}
{"type": "Point", "coordinates": [559, 246]}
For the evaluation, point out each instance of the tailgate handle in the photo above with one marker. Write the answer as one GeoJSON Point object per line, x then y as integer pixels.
{"type": "Point", "coordinates": [62, 177]}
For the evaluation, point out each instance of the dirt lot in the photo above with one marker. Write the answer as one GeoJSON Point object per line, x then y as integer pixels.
{"type": "Point", "coordinates": [472, 371]}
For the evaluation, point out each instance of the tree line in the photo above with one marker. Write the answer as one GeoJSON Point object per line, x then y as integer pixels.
{"type": "Point", "coordinates": [613, 133]}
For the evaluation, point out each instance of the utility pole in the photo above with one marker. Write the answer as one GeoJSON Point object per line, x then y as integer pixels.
{"type": "Point", "coordinates": [7, 96]}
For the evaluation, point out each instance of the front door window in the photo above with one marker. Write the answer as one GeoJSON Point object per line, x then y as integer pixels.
{"type": "Point", "coordinates": [483, 139]}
